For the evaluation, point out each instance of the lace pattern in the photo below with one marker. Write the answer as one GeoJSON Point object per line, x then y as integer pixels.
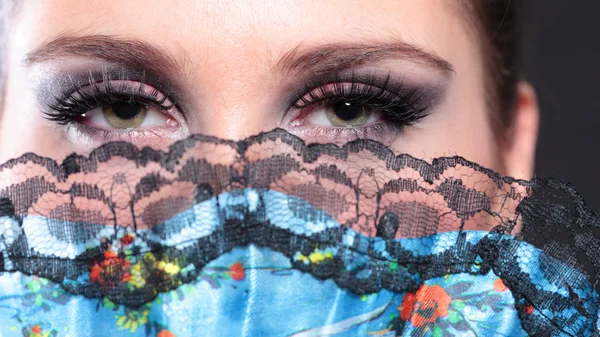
{"type": "Point", "coordinates": [359, 214]}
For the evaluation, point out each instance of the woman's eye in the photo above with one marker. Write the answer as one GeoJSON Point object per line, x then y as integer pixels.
{"type": "Point", "coordinates": [343, 114]}
{"type": "Point", "coordinates": [125, 116]}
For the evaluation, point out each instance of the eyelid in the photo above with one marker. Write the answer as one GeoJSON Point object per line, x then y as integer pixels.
{"type": "Point", "coordinates": [377, 92]}
{"type": "Point", "coordinates": [432, 89]}
{"type": "Point", "coordinates": [59, 79]}
{"type": "Point", "coordinates": [82, 99]}
{"type": "Point", "coordinates": [401, 103]}
{"type": "Point", "coordinates": [104, 93]}
{"type": "Point", "coordinates": [92, 79]}
{"type": "Point", "coordinates": [341, 90]}
{"type": "Point", "coordinates": [135, 90]}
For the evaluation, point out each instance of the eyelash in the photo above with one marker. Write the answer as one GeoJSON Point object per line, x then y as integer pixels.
{"type": "Point", "coordinates": [399, 104]}
{"type": "Point", "coordinates": [67, 108]}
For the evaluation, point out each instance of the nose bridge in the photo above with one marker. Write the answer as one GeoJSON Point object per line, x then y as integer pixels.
{"type": "Point", "coordinates": [235, 116]}
{"type": "Point", "coordinates": [235, 93]}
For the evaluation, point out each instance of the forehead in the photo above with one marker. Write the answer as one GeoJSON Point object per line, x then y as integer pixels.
{"type": "Point", "coordinates": [251, 32]}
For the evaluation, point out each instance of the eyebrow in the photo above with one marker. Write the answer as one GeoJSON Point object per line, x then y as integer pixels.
{"type": "Point", "coordinates": [336, 57]}
{"type": "Point", "coordinates": [128, 52]}
{"type": "Point", "coordinates": [333, 57]}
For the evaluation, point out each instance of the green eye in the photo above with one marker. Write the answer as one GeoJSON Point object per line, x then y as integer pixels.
{"type": "Point", "coordinates": [125, 115]}
{"type": "Point", "coordinates": [347, 114]}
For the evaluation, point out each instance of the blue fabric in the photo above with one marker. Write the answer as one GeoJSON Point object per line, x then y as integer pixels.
{"type": "Point", "coordinates": [272, 299]}
{"type": "Point", "coordinates": [256, 291]}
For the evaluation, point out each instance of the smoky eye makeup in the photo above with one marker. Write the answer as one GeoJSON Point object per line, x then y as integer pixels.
{"type": "Point", "coordinates": [378, 105]}
{"type": "Point", "coordinates": [112, 103]}
{"type": "Point", "coordinates": [99, 103]}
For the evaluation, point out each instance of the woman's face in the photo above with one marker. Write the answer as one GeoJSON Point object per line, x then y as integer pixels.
{"type": "Point", "coordinates": [406, 73]}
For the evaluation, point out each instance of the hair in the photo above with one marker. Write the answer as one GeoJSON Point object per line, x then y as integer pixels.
{"type": "Point", "coordinates": [499, 24]}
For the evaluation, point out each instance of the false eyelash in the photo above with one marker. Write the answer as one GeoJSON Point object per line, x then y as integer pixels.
{"type": "Point", "coordinates": [399, 104]}
{"type": "Point", "coordinates": [67, 108]}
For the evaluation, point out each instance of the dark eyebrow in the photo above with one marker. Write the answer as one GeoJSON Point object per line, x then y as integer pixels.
{"type": "Point", "coordinates": [132, 53]}
{"type": "Point", "coordinates": [138, 54]}
{"type": "Point", "coordinates": [337, 57]}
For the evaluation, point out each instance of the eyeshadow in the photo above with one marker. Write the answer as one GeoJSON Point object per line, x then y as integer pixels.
{"type": "Point", "coordinates": [430, 91]}
{"type": "Point", "coordinates": [61, 82]}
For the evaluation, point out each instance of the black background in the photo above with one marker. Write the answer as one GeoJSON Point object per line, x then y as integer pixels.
{"type": "Point", "coordinates": [562, 61]}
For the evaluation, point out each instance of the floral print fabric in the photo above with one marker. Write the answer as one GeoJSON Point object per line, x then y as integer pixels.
{"type": "Point", "coordinates": [270, 236]}
{"type": "Point", "coordinates": [255, 292]}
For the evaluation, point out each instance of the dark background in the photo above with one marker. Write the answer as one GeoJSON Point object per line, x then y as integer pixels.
{"type": "Point", "coordinates": [562, 61]}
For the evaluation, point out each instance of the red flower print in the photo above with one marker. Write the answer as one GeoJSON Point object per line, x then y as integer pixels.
{"type": "Point", "coordinates": [110, 255]}
{"type": "Point", "coordinates": [425, 306]}
{"type": "Point", "coordinates": [165, 333]}
{"type": "Point", "coordinates": [528, 309]}
{"type": "Point", "coordinates": [36, 329]}
{"type": "Point", "coordinates": [499, 286]}
{"type": "Point", "coordinates": [407, 306]}
{"type": "Point", "coordinates": [127, 239]}
{"type": "Point", "coordinates": [111, 271]}
{"type": "Point", "coordinates": [95, 271]}
{"type": "Point", "coordinates": [236, 270]}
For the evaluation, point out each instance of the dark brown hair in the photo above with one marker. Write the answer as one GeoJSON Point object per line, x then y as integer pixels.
{"type": "Point", "coordinates": [500, 26]}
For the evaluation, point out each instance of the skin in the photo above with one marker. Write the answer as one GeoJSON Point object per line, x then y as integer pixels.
{"type": "Point", "coordinates": [227, 52]}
